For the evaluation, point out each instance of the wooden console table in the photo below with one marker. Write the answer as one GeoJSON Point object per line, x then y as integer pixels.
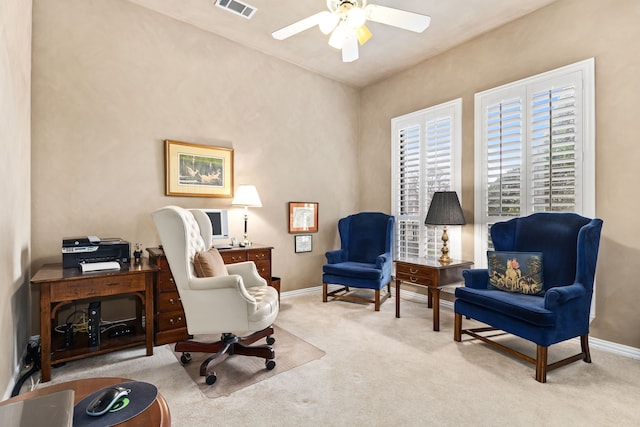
{"type": "Point", "coordinates": [431, 274]}
{"type": "Point", "coordinates": [62, 286]}
{"type": "Point", "coordinates": [170, 323]}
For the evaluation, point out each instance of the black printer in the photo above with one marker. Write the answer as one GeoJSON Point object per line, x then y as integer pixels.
{"type": "Point", "coordinates": [77, 250]}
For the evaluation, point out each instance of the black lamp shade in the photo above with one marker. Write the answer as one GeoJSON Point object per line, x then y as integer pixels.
{"type": "Point", "coordinates": [445, 209]}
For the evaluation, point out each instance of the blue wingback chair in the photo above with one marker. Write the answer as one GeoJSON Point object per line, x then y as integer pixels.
{"type": "Point", "coordinates": [569, 245]}
{"type": "Point", "coordinates": [364, 258]}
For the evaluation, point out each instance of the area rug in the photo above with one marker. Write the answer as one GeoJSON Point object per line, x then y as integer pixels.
{"type": "Point", "coordinates": [238, 372]}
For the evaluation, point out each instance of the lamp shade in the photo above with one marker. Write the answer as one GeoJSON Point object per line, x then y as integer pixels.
{"type": "Point", "coordinates": [445, 209]}
{"type": "Point", "coordinates": [247, 195]}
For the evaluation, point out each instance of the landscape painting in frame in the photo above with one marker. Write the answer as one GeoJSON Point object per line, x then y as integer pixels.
{"type": "Point", "coordinates": [198, 170]}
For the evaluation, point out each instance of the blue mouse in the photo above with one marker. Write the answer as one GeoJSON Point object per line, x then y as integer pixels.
{"type": "Point", "coordinates": [105, 400]}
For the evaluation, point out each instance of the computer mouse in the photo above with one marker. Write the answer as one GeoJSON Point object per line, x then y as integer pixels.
{"type": "Point", "coordinates": [105, 400]}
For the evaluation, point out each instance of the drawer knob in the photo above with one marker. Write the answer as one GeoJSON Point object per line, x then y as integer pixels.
{"type": "Point", "coordinates": [171, 301]}
{"type": "Point", "coordinates": [413, 271]}
{"type": "Point", "coordinates": [413, 279]}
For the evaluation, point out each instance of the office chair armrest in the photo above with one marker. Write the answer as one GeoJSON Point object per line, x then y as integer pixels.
{"type": "Point", "coordinates": [334, 257]}
{"type": "Point", "coordinates": [557, 296]}
{"type": "Point", "coordinates": [477, 278]}
{"type": "Point", "coordinates": [221, 282]}
{"type": "Point", "coordinates": [249, 273]}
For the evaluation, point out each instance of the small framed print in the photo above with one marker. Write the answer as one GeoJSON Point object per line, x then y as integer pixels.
{"type": "Point", "coordinates": [303, 243]}
{"type": "Point", "coordinates": [303, 217]}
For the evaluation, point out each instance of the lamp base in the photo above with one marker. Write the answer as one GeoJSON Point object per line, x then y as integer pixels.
{"type": "Point", "coordinates": [444, 258]}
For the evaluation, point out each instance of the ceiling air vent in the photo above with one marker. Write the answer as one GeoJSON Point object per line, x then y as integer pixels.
{"type": "Point", "coordinates": [239, 8]}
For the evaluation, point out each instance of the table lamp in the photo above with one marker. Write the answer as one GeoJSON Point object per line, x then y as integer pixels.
{"type": "Point", "coordinates": [247, 196]}
{"type": "Point", "coordinates": [445, 210]}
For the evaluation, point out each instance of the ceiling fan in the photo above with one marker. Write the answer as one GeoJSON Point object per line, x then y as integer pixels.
{"type": "Point", "coordinates": [345, 21]}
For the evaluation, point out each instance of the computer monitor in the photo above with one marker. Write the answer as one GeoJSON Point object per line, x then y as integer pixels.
{"type": "Point", "coordinates": [219, 223]}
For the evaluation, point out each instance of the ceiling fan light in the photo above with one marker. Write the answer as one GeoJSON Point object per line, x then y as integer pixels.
{"type": "Point", "coordinates": [363, 34]}
{"type": "Point", "coordinates": [338, 37]}
{"type": "Point", "coordinates": [356, 17]}
{"type": "Point", "coordinates": [328, 22]}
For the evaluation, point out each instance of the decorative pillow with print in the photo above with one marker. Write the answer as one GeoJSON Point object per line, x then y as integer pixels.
{"type": "Point", "coordinates": [519, 272]}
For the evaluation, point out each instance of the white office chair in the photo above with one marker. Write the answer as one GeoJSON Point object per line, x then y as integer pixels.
{"type": "Point", "coordinates": [240, 302]}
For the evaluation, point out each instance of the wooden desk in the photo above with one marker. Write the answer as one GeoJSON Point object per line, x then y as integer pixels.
{"type": "Point", "coordinates": [61, 286]}
{"type": "Point", "coordinates": [431, 274]}
{"type": "Point", "coordinates": [155, 415]}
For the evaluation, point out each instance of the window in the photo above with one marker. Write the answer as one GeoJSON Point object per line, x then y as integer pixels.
{"type": "Point", "coordinates": [535, 149]}
{"type": "Point", "coordinates": [426, 158]}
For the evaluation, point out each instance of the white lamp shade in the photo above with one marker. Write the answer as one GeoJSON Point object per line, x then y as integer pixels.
{"type": "Point", "coordinates": [247, 195]}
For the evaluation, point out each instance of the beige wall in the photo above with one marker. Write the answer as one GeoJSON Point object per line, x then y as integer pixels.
{"type": "Point", "coordinates": [15, 143]}
{"type": "Point", "coordinates": [112, 80]}
{"type": "Point", "coordinates": [560, 34]}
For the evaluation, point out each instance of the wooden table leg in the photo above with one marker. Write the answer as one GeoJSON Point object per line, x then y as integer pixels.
{"type": "Point", "coordinates": [436, 308]}
{"type": "Point", "coordinates": [45, 332]}
{"type": "Point", "coordinates": [398, 298]}
{"type": "Point", "coordinates": [148, 313]}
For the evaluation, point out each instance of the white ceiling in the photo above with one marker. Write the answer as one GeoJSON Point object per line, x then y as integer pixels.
{"type": "Point", "coordinates": [389, 50]}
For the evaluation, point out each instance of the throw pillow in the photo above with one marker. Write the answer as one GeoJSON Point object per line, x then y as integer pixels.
{"type": "Point", "coordinates": [209, 264]}
{"type": "Point", "coordinates": [519, 272]}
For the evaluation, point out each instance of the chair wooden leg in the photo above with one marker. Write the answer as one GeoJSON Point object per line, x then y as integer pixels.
{"type": "Point", "coordinates": [457, 327]}
{"type": "Point", "coordinates": [584, 342]}
{"type": "Point", "coordinates": [541, 363]}
{"type": "Point", "coordinates": [377, 300]}
{"type": "Point", "coordinates": [324, 292]}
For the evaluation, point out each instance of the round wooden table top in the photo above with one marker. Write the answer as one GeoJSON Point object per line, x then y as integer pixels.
{"type": "Point", "coordinates": [155, 415]}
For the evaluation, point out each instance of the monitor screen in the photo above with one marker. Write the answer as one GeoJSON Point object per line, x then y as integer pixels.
{"type": "Point", "coordinates": [219, 222]}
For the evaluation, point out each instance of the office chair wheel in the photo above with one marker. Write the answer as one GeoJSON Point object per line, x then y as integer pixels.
{"type": "Point", "coordinates": [185, 358]}
{"type": "Point", "coordinates": [271, 340]}
{"type": "Point", "coordinates": [211, 378]}
{"type": "Point", "coordinates": [270, 364]}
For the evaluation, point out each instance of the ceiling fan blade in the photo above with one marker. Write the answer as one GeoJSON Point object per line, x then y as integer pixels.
{"type": "Point", "coordinates": [298, 27]}
{"type": "Point", "coordinates": [397, 18]}
{"type": "Point", "coordinates": [350, 48]}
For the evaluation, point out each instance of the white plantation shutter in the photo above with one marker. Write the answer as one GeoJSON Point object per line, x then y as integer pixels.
{"type": "Point", "coordinates": [554, 150]}
{"type": "Point", "coordinates": [535, 149]}
{"type": "Point", "coordinates": [408, 201]}
{"type": "Point", "coordinates": [426, 158]}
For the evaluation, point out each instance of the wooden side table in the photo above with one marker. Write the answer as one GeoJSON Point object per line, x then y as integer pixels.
{"type": "Point", "coordinates": [428, 272]}
{"type": "Point", "coordinates": [155, 415]}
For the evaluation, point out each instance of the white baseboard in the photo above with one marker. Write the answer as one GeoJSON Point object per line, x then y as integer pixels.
{"type": "Point", "coordinates": [600, 344]}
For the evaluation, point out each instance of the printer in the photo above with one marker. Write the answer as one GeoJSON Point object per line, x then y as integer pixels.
{"type": "Point", "coordinates": [91, 249]}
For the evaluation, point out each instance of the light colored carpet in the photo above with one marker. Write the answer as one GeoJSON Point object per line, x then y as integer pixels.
{"type": "Point", "coordinates": [382, 371]}
{"type": "Point", "coordinates": [238, 372]}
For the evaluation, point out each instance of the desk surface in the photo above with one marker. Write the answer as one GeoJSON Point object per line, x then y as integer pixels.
{"type": "Point", "coordinates": [55, 272]}
{"type": "Point", "coordinates": [155, 415]}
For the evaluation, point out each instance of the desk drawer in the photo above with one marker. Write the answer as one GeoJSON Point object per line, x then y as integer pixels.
{"type": "Point", "coordinates": [169, 321]}
{"type": "Point", "coordinates": [168, 301]}
{"type": "Point", "coordinates": [165, 281]}
{"type": "Point", "coordinates": [264, 269]}
{"type": "Point", "coordinates": [232, 257]}
{"type": "Point", "coordinates": [416, 274]}
{"type": "Point", "coordinates": [97, 286]}
{"type": "Point", "coordinates": [259, 255]}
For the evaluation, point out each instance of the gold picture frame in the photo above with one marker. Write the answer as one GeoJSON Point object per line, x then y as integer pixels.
{"type": "Point", "coordinates": [198, 170]}
{"type": "Point", "coordinates": [303, 217]}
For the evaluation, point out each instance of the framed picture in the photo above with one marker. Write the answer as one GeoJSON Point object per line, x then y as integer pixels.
{"type": "Point", "coordinates": [303, 217]}
{"type": "Point", "coordinates": [198, 170]}
{"type": "Point", "coordinates": [304, 243]}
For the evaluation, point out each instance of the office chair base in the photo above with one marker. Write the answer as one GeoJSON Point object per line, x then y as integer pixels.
{"type": "Point", "coordinates": [228, 345]}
